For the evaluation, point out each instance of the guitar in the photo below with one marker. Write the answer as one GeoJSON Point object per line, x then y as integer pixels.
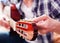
{"type": "Point", "coordinates": [27, 30]}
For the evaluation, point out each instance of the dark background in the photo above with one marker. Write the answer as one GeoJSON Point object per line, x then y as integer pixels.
{"type": "Point", "coordinates": [7, 38]}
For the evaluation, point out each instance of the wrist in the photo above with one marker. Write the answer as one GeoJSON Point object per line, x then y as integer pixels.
{"type": "Point", "coordinates": [57, 27]}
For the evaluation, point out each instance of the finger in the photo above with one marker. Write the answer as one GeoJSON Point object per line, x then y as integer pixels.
{"type": "Point", "coordinates": [42, 27]}
{"type": "Point", "coordinates": [43, 17]}
{"type": "Point", "coordinates": [42, 24]}
{"type": "Point", "coordinates": [5, 24]}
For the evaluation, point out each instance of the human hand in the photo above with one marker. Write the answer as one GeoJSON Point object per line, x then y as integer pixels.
{"type": "Point", "coordinates": [4, 23]}
{"type": "Point", "coordinates": [46, 24]}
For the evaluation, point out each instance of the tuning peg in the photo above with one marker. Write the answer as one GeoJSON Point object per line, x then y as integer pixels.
{"type": "Point", "coordinates": [23, 37]}
{"type": "Point", "coordinates": [20, 35]}
{"type": "Point", "coordinates": [21, 31]}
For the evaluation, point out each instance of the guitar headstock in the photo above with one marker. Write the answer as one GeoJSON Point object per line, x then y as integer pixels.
{"type": "Point", "coordinates": [27, 30]}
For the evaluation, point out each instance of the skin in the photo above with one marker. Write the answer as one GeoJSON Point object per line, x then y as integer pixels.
{"type": "Point", "coordinates": [28, 3]}
{"type": "Point", "coordinates": [3, 21]}
{"type": "Point", "coordinates": [46, 24]}
{"type": "Point", "coordinates": [5, 24]}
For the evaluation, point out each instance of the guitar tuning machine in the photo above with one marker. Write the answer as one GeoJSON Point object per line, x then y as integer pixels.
{"type": "Point", "coordinates": [20, 35]}
{"type": "Point", "coordinates": [23, 37]}
{"type": "Point", "coordinates": [27, 30]}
